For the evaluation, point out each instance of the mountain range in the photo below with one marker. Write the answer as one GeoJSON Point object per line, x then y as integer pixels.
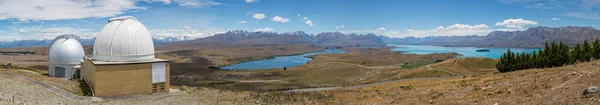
{"type": "Point", "coordinates": [47, 42]}
{"type": "Point", "coordinates": [533, 37]}
{"type": "Point", "coordinates": [242, 38]}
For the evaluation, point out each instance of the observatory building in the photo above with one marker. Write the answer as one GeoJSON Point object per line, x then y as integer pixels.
{"type": "Point", "coordinates": [123, 62]}
{"type": "Point", "coordinates": [64, 56]}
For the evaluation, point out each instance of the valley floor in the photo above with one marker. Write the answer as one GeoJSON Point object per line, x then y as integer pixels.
{"type": "Point", "coordinates": [411, 79]}
{"type": "Point", "coordinates": [560, 85]}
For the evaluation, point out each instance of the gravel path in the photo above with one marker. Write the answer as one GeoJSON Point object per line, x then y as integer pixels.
{"type": "Point", "coordinates": [26, 92]}
{"type": "Point", "coordinates": [428, 67]}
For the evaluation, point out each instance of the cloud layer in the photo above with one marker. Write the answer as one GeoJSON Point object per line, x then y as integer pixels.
{"type": "Point", "coordinates": [77, 9]}
{"type": "Point", "coordinates": [266, 29]}
{"type": "Point", "coordinates": [280, 19]}
{"type": "Point", "coordinates": [258, 16]}
{"type": "Point", "coordinates": [515, 23]}
{"type": "Point", "coordinates": [63, 9]}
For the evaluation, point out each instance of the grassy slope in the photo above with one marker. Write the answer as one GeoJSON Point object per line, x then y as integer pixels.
{"type": "Point", "coordinates": [467, 66]}
{"type": "Point", "coordinates": [424, 74]}
{"type": "Point", "coordinates": [337, 69]}
{"type": "Point", "coordinates": [535, 86]}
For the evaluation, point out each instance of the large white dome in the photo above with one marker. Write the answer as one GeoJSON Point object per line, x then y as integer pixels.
{"type": "Point", "coordinates": [66, 50]}
{"type": "Point", "coordinates": [123, 39]}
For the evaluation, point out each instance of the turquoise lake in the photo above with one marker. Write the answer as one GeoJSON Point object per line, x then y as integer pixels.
{"type": "Point", "coordinates": [465, 51]}
{"type": "Point", "coordinates": [297, 60]}
{"type": "Point", "coordinates": [280, 61]}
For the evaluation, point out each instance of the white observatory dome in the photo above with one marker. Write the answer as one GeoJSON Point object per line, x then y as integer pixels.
{"type": "Point", "coordinates": [123, 39]}
{"type": "Point", "coordinates": [65, 50]}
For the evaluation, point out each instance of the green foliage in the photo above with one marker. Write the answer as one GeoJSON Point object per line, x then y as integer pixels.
{"type": "Point", "coordinates": [553, 55]}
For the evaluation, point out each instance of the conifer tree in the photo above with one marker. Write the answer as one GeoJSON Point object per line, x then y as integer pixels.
{"type": "Point", "coordinates": [596, 49]}
{"type": "Point", "coordinates": [585, 51]}
{"type": "Point", "coordinates": [576, 53]}
{"type": "Point", "coordinates": [533, 60]}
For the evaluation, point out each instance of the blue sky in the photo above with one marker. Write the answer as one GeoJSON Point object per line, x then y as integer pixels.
{"type": "Point", "coordinates": [44, 19]}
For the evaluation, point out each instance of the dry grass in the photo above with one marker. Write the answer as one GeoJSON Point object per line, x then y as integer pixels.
{"type": "Point", "coordinates": [426, 74]}
{"type": "Point", "coordinates": [468, 66]}
{"type": "Point", "coordinates": [24, 60]}
{"type": "Point", "coordinates": [561, 85]}
{"type": "Point", "coordinates": [67, 85]}
{"type": "Point", "coordinates": [336, 69]}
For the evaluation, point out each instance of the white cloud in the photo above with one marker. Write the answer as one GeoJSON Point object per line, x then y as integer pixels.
{"type": "Point", "coordinates": [380, 29]}
{"type": "Point", "coordinates": [10, 38]}
{"type": "Point", "coordinates": [21, 21]}
{"type": "Point", "coordinates": [516, 23]}
{"type": "Point", "coordinates": [64, 9]}
{"type": "Point", "coordinates": [196, 3]}
{"type": "Point", "coordinates": [340, 27]}
{"type": "Point", "coordinates": [555, 18]}
{"type": "Point", "coordinates": [585, 9]}
{"type": "Point", "coordinates": [585, 15]}
{"type": "Point", "coordinates": [543, 5]}
{"type": "Point", "coordinates": [189, 3]}
{"type": "Point", "coordinates": [242, 22]}
{"type": "Point", "coordinates": [452, 30]}
{"type": "Point", "coordinates": [309, 23]}
{"type": "Point", "coordinates": [258, 16]}
{"type": "Point", "coordinates": [456, 29]}
{"type": "Point", "coordinates": [77, 9]}
{"type": "Point", "coordinates": [163, 1]}
{"type": "Point", "coordinates": [305, 18]}
{"type": "Point", "coordinates": [266, 29]}
{"type": "Point", "coordinates": [250, 1]}
{"type": "Point", "coordinates": [187, 31]}
{"type": "Point", "coordinates": [280, 19]}
{"type": "Point", "coordinates": [39, 33]}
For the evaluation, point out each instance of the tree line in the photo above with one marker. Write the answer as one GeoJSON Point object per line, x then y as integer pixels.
{"type": "Point", "coordinates": [553, 55]}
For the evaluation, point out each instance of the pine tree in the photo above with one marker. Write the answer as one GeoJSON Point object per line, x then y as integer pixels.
{"type": "Point", "coordinates": [585, 51]}
{"type": "Point", "coordinates": [576, 53]}
{"type": "Point", "coordinates": [500, 65]}
{"type": "Point", "coordinates": [541, 59]}
{"type": "Point", "coordinates": [596, 49]}
{"type": "Point", "coordinates": [533, 60]}
{"type": "Point", "coordinates": [564, 54]}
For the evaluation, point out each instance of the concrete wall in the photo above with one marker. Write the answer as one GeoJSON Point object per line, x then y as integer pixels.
{"type": "Point", "coordinates": [69, 71]}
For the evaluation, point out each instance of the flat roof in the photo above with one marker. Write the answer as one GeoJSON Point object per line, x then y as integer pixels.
{"type": "Point", "coordinates": [95, 62]}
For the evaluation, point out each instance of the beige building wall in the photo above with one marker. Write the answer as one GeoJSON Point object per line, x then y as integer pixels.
{"type": "Point", "coordinates": [88, 73]}
{"type": "Point", "coordinates": [122, 79]}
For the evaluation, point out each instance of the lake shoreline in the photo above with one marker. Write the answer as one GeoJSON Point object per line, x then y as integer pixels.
{"type": "Point", "coordinates": [323, 51]}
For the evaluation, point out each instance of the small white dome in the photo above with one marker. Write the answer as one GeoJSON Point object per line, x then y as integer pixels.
{"type": "Point", "coordinates": [65, 50]}
{"type": "Point", "coordinates": [123, 39]}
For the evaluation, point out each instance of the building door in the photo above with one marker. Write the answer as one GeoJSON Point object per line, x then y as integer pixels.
{"type": "Point", "coordinates": [158, 72]}
{"type": "Point", "coordinates": [59, 71]}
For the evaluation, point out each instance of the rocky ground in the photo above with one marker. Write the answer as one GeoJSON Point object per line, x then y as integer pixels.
{"type": "Point", "coordinates": [23, 92]}
{"type": "Point", "coordinates": [572, 84]}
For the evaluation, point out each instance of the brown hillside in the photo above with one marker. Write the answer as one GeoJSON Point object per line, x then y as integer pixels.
{"type": "Point", "coordinates": [561, 85]}
{"type": "Point", "coordinates": [467, 66]}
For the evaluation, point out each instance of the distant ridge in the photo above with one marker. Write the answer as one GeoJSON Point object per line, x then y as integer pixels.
{"type": "Point", "coordinates": [47, 42]}
{"type": "Point", "coordinates": [241, 38]}
{"type": "Point", "coordinates": [533, 37]}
